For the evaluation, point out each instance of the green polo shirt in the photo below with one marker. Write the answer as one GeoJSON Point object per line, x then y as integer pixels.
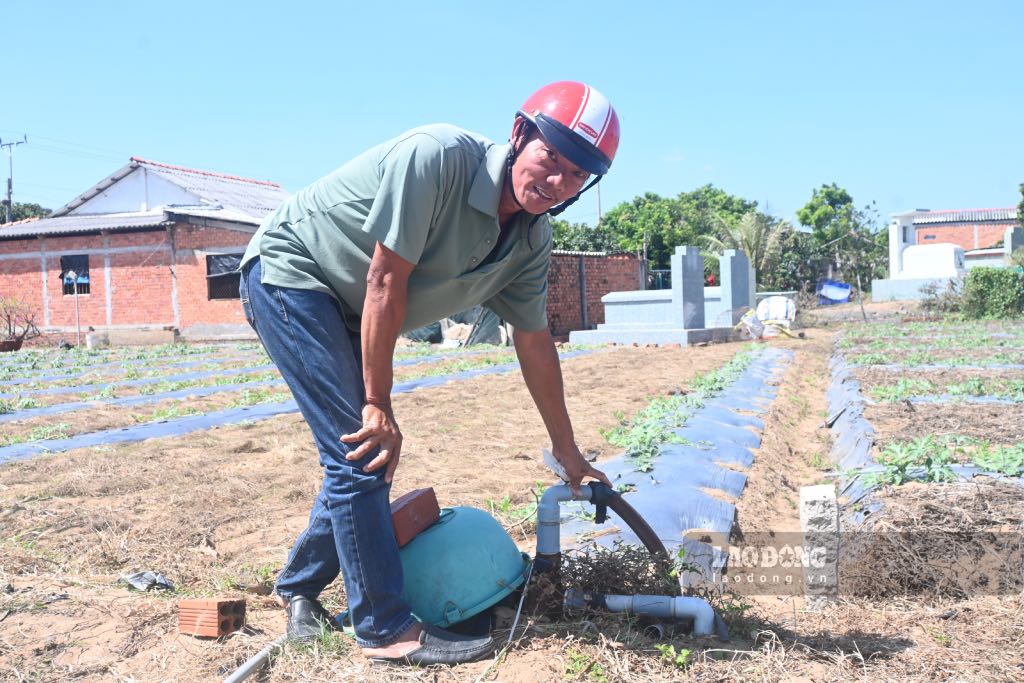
{"type": "Point", "coordinates": [431, 196]}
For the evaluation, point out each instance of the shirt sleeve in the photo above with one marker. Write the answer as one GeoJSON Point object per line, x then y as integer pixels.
{"type": "Point", "coordinates": [524, 301]}
{"type": "Point", "coordinates": [410, 189]}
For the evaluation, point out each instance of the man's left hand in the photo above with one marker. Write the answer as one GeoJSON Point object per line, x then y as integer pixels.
{"type": "Point", "coordinates": [577, 467]}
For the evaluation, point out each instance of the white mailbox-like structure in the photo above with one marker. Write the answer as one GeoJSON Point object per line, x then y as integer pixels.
{"type": "Point", "coordinates": [924, 261]}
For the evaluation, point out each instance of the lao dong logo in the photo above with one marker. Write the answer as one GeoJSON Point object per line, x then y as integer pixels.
{"type": "Point", "coordinates": [770, 557]}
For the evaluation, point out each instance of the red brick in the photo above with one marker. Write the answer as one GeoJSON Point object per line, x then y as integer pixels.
{"type": "Point", "coordinates": [413, 513]}
{"type": "Point", "coordinates": [211, 618]}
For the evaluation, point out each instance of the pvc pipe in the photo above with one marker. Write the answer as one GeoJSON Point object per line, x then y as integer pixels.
{"type": "Point", "coordinates": [661, 606]}
{"type": "Point", "coordinates": [549, 546]}
{"type": "Point", "coordinates": [255, 662]}
{"type": "Point", "coordinates": [549, 516]}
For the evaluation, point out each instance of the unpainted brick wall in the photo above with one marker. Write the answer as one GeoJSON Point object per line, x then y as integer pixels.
{"type": "Point", "coordinates": [141, 282]}
{"type": "Point", "coordinates": [615, 273]}
{"type": "Point", "coordinates": [193, 295]}
{"type": "Point", "coordinates": [967, 235]}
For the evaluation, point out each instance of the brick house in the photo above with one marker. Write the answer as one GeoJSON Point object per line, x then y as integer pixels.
{"type": "Point", "coordinates": [153, 246]}
{"type": "Point", "coordinates": [968, 228]}
{"type": "Point", "coordinates": [986, 235]}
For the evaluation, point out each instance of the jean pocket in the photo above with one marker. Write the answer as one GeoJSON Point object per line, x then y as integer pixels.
{"type": "Point", "coordinates": [243, 296]}
{"type": "Point", "coordinates": [247, 311]}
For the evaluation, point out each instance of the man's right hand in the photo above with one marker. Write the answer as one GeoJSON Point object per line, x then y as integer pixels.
{"type": "Point", "coordinates": [380, 429]}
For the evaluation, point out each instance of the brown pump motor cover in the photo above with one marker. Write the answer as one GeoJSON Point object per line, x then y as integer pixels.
{"type": "Point", "coordinates": [412, 513]}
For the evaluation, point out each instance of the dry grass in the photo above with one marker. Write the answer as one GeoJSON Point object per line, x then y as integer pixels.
{"type": "Point", "coordinates": [217, 511]}
{"type": "Point", "coordinates": [939, 540]}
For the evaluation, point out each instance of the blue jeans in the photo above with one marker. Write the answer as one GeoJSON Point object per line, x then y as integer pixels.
{"type": "Point", "coordinates": [349, 527]}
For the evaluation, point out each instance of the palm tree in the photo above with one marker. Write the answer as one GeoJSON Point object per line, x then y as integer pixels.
{"type": "Point", "coordinates": [755, 234]}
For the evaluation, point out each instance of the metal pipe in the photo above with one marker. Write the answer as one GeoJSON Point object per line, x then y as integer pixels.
{"type": "Point", "coordinates": [660, 606]}
{"type": "Point", "coordinates": [256, 661]}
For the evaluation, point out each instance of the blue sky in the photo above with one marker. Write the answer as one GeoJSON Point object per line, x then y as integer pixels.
{"type": "Point", "coordinates": [909, 104]}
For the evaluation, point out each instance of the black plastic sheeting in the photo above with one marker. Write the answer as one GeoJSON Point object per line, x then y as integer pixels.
{"type": "Point", "coordinates": [950, 398]}
{"type": "Point", "coordinates": [931, 367]}
{"type": "Point", "coordinates": [670, 497]}
{"type": "Point", "coordinates": [185, 425]}
{"type": "Point", "coordinates": [127, 401]}
{"type": "Point", "coordinates": [854, 439]}
{"type": "Point", "coordinates": [99, 386]}
{"type": "Point", "coordinates": [28, 378]}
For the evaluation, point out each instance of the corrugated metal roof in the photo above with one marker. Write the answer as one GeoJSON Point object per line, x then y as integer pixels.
{"type": "Point", "coordinates": [966, 216]}
{"type": "Point", "coordinates": [252, 198]}
{"type": "Point", "coordinates": [70, 225]}
{"type": "Point", "coordinates": [255, 198]}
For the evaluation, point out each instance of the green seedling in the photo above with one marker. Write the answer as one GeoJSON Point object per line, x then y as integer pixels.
{"type": "Point", "coordinates": [582, 666]}
{"type": "Point", "coordinates": [903, 389]}
{"type": "Point", "coordinates": [680, 658]}
{"type": "Point", "coordinates": [900, 459]}
{"type": "Point", "coordinates": [1008, 460]}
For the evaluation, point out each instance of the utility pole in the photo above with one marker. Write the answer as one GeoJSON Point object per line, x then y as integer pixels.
{"type": "Point", "coordinates": [9, 203]}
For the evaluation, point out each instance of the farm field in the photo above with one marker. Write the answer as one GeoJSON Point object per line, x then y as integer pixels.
{"type": "Point", "coordinates": [215, 511]}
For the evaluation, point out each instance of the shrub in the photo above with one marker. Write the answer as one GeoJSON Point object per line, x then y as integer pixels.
{"type": "Point", "coordinates": [993, 293]}
{"type": "Point", "coordinates": [17, 319]}
{"type": "Point", "coordinates": [937, 299]}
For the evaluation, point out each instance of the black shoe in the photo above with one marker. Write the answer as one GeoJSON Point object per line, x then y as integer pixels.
{"type": "Point", "coordinates": [307, 619]}
{"type": "Point", "coordinates": [438, 646]}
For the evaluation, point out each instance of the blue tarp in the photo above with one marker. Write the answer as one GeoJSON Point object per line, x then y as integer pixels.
{"type": "Point", "coordinates": [833, 292]}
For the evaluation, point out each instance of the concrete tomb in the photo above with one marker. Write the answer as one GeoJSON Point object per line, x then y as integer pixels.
{"type": "Point", "coordinates": [688, 313]}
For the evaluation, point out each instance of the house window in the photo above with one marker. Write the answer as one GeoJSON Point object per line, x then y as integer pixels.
{"type": "Point", "coordinates": [222, 276]}
{"type": "Point", "coordinates": [906, 233]}
{"type": "Point", "coordinates": [929, 237]}
{"type": "Point", "coordinates": [79, 265]}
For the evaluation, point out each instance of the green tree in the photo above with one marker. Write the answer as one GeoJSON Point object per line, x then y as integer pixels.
{"type": "Point", "coordinates": [756, 234]}
{"type": "Point", "coordinates": [20, 212]}
{"type": "Point", "coordinates": [825, 212]}
{"type": "Point", "coordinates": [798, 266]}
{"type": "Point", "coordinates": [707, 207]}
{"type": "Point", "coordinates": [649, 223]}
{"type": "Point", "coordinates": [582, 237]}
{"type": "Point", "coordinates": [662, 223]}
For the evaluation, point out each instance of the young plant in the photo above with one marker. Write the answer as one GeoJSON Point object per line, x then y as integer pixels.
{"type": "Point", "coordinates": [680, 658]}
{"type": "Point", "coordinates": [901, 461]}
{"type": "Point", "coordinates": [1008, 460]}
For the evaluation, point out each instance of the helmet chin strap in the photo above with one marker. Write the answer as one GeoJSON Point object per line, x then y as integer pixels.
{"type": "Point", "coordinates": [555, 210]}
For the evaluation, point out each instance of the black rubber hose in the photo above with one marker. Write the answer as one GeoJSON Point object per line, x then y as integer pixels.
{"type": "Point", "coordinates": [603, 495]}
{"type": "Point", "coordinates": [638, 524]}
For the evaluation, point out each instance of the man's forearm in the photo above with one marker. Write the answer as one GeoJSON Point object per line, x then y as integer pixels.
{"type": "Point", "coordinates": [383, 314]}
{"type": "Point", "coordinates": [542, 373]}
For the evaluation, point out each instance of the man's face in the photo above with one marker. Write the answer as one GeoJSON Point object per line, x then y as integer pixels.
{"type": "Point", "coordinates": [543, 178]}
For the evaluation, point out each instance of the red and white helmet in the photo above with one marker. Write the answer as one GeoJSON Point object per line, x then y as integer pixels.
{"type": "Point", "coordinates": [578, 120]}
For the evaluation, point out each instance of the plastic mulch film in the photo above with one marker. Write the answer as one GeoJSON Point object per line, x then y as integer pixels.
{"type": "Point", "coordinates": [717, 437]}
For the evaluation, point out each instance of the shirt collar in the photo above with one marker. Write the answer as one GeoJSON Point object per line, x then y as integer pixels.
{"type": "Point", "coordinates": [485, 193]}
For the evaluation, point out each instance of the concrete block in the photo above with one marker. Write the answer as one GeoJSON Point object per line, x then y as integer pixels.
{"type": "Point", "coordinates": [687, 288]}
{"type": "Point", "coordinates": [142, 337]}
{"type": "Point", "coordinates": [649, 335]}
{"type": "Point", "coordinates": [819, 520]}
{"type": "Point", "coordinates": [97, 340]}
